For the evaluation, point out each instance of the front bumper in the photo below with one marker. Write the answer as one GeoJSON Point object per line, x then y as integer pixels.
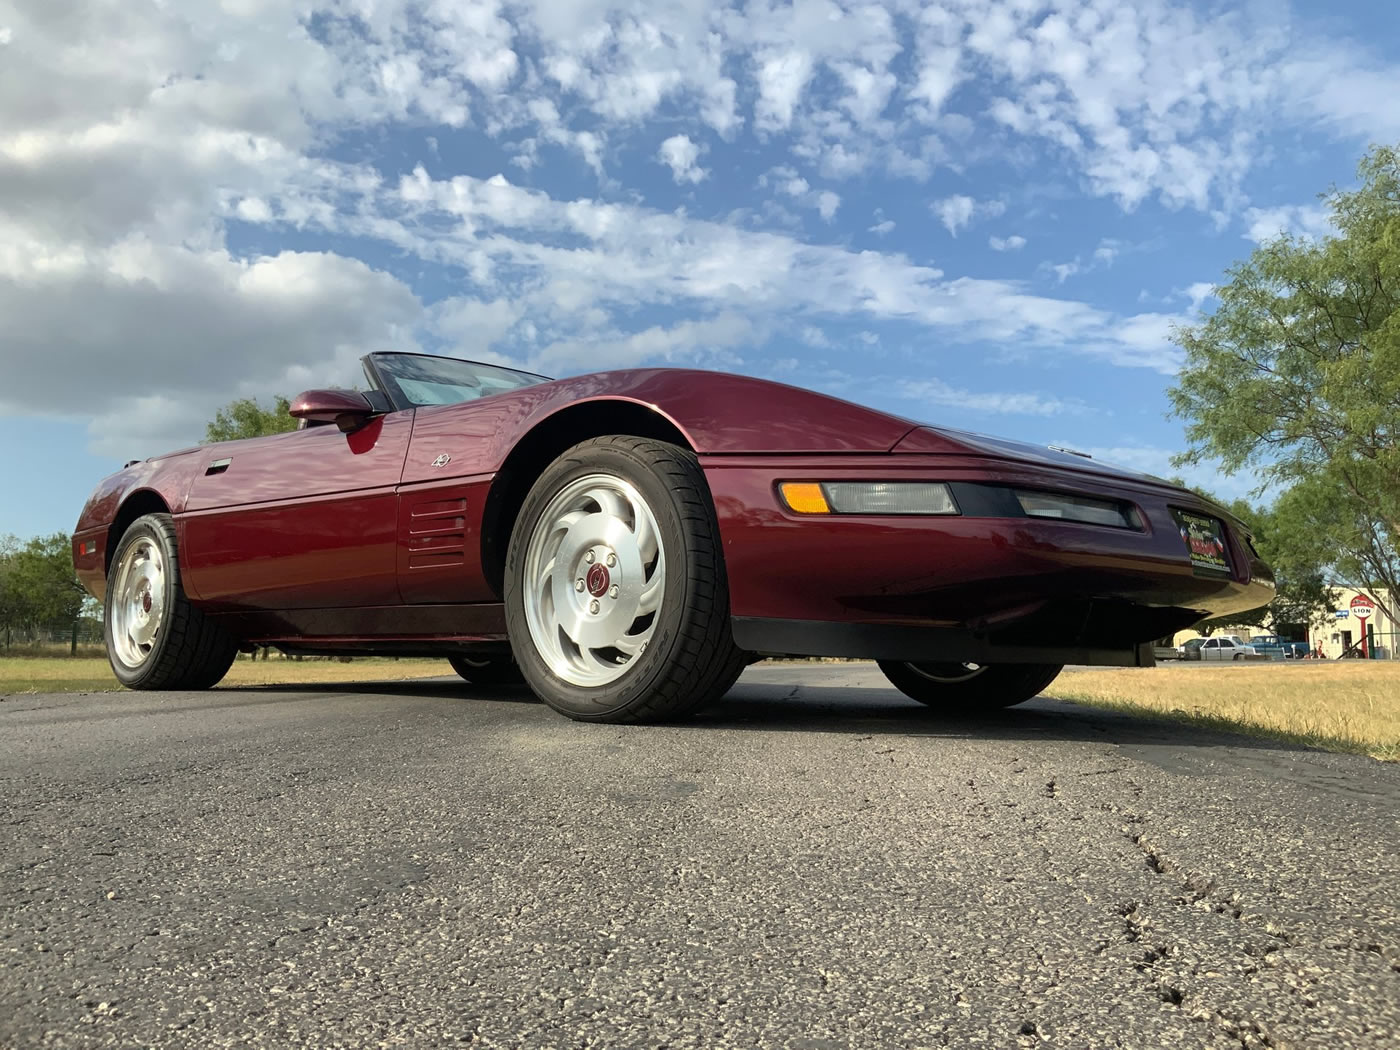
{"type": "Point", "coordinates": [974, 580]}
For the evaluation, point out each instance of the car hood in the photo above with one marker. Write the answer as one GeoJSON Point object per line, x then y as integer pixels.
{"type": "Point", "coordinates": [987, 444]}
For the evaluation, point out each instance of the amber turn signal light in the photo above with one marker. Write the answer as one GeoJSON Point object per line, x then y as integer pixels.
{"type": "Point", "coordinates": [804, 497]}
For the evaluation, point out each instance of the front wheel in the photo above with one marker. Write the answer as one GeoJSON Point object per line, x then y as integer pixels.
{"type": "Point", "coordinates": [617, 602]}
{"type": "Point", "coordinates": [155, 638]}
{"type": "Point", "coordinates": [968, 687]}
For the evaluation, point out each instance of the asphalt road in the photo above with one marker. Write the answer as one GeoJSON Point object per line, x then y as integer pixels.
{"type": "Point", "coordinates": [816, 863]}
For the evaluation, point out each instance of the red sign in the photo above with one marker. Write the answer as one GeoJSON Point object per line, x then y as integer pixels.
{"type": "Point", "coordinates": [1361, 606]}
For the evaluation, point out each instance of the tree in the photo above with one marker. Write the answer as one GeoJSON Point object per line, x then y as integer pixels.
{"type": "Point", "coordinates": [12, 611]}
{"type": "Point", "coordinates": [1287, 540]}
{"type": "Point", "coordinates": [44, 568]}
{"type": "Point", "coordinates": [1296, 375]}
{"type": "Point", "coordinates": [38, 586]}
{"type": "Point", "coordinates": [246, 418]}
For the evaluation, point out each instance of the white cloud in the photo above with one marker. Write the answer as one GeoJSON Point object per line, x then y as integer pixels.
{"type": "Point", "coordinates": [1198, 293]}
{"type": "Point", "coordinates": [163, 133]}
{"type": "Point", "coordinates": [1297, 220]}
{"type": "Point", "coordinates": [614, 349]}
{"type": "Point", "coordinates": [1014, 243]}
{"type": "Point", "coordinates": [473, 326]}
{"type": "Point", "coordinates": [868, 90]}
{"type": "Point", "coordinates": [680, 154]}
{"type": "Point", "coordinates": [937, 392]}
{"type": "Point", "coordinates": [938, 60]}
{"type": "Point", "coordinates": [1103, 256]}
{"type": "Point", "coordinates": [565, 256]}
{"type": "Point", "coordinates": [958, 211]}
{"type": "Point", "coordinates": [185, 329]}
{"type": "Point", "coordinates": [1107, 251]}
{"type": "Point", "coordinates": [790, 184]}
{"type": "Point", "coordinates": [954, 212]}
{"type": "Point", "coordinates": [1143, 340]}
{"type": "Point", "coordinates": [782, 77]}
{"type": "Point", "coordinates": [1340, 84]}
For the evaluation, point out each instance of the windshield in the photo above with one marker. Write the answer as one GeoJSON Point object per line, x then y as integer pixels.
{"type": "Point", "coordinates": [418, 380]}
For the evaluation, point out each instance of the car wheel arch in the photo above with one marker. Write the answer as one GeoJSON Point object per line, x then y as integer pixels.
{"type": "Point", "coordinates": [136, 505]}
{"type": "Point", "coordinates": [542, 445]}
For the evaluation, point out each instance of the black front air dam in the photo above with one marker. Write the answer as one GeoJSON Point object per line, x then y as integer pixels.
{"type": "Point", "coordinates": [863, 641]}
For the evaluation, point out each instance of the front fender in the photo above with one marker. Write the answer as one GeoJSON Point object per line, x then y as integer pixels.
{"type": "Point", "coordinates": [722, 414]}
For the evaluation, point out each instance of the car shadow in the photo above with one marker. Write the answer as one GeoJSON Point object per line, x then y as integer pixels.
{"type": "Point", "coordinates": [874, 710]}
{"type": "Point", "coordinates": [427, 688]}
{"type": "Point", "coordinates": [864, 710]}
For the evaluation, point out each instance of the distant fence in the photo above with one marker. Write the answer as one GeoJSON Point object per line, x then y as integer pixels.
{"type": "Point", "coordinates": [84, 634]}
{"type": "Point", "coordinates": [86, 638]}
{"type": "Point", "coordinates": [87, 632]}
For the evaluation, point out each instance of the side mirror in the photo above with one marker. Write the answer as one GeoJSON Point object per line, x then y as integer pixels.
{"type": "Point", "coordinates": [345, 408]}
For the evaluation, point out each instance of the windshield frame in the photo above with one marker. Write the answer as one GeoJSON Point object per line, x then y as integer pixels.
{"type": "Point", "coordinates": [382, 378]}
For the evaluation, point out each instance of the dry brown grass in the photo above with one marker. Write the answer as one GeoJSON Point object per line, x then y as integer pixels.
{"type": "Point", "coordinates": [1351, 705]}
{"type": "Point", "coordinates": [72, 675]}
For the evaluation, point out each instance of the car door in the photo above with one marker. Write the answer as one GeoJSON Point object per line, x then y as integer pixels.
{"type": "Point", "coordinates": [1210, 649]}
{"type": "Point", "coordinates": [303, 520]}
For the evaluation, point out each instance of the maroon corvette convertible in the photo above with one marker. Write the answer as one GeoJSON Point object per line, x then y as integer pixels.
{"type": "Point", "coordinates": [625, 542]}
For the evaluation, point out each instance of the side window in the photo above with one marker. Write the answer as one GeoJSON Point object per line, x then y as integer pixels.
{"type": "Point", "coordinates": [1212, 643]}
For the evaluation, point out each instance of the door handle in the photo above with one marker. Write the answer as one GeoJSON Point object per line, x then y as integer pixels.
{"type": "Point", "coordinates": [218, 466]}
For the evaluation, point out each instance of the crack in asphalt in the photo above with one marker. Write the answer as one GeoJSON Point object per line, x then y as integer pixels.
{"type": "Point", "coordinates": [1252, 1033]}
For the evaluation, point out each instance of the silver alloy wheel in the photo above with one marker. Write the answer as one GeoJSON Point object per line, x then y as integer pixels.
{"type": "Point", "coordinates": [947, 673]}
{"type": "Point", "coordinates": [594, 580]}
{"type": "Point", "coordinates": [138, 606]}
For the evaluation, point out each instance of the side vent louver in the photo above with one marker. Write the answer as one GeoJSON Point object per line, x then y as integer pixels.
{"type": "Point", "coordinates": [437, 534]}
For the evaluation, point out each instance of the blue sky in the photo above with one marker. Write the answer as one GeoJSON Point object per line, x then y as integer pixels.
{"type": "Point", "coordinates": [987, 215]}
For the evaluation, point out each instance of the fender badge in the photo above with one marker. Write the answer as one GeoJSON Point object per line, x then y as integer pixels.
{"type": "Point", "coordinates": [442, 460]}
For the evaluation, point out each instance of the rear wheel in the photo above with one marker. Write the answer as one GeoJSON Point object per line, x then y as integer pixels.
{"type": "Point", "coordinates": [155, 638]}
{"type": "Point", "coordinates": [969, 687]}
{"type": "Point", "coordinates": [616, 596]}
{"type": "Point", "coordinates": [488, 670]}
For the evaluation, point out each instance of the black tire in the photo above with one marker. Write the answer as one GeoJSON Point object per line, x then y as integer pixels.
{"type": "Point", "coordinates": [692, 659]}
{"type": "Point", "coordinates": [955, 687]}
{"type": "Point", "coordinates": [188, 649]}
{"type": "Point", "coordinates": [488, 670]}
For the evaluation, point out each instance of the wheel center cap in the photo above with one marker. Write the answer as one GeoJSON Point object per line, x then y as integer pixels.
{"type": "Point", "coordinates": [146, 601]}
{"type": "Point", "coordinates": [598, 579]}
